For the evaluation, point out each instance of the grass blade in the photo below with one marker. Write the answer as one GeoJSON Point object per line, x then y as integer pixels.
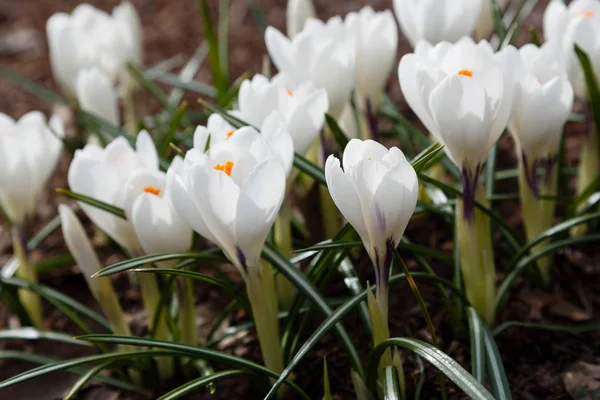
{"type": "Point", "coordinates": [309, 169]}
{"type": "Point", "coordinates": [93, 202]}
{"type": "Point", "coordinates": [88, 376]}
{"type": "Point", "coordinates": [478, 355]}
{"type": "Point", "coordinates": [198, 383]}
{"type": "Point", "coordinates": [32, 87]}
{"type": "Point", "coordinates": [549, 327]}
{"type": "Point", "coordinates": [495, 367]}
{"type": "Point", "coordinates": [29, 333]}
{"type": "Point", "coordinates": [173, 125]}
{"type": "Point", "coordinates": [591, 82]}
{"type": "Point", "coordinates": [339, 135]}
{"type": "Point", "coordinates": [210, 35]}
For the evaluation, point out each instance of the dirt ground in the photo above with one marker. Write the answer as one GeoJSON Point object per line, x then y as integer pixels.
{"type": "Point", "coordinates": [540, 364]}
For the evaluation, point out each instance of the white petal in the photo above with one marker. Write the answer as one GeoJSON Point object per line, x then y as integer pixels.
{"type": "Point", "coordinates": [97, 96]}
{"type": "Point", "coordinates": [357, 150]}
{"type": "Point", "coordinates": [146, 150]}
{"type": "Point", "coordinates": [138, 183]}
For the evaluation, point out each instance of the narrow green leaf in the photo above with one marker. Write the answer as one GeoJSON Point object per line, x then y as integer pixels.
{"type": "Point", "coordinates": [533, 37]}
{"type": "Point", "coordinates": [32, 87]}
{"type": "Point", "coordinates": [422, 160]}
{"type": "Point", "coordinates": [476, 335]}
{"type": "Point", "coordinates": [219, 78]}
{"type": "Point", "coordinates": [43, 233]}
{"type": "Point", "coordinates": [495, 367]}
{"type": "Point", "coordinates": [326, 385]}
{"type": "Point", "coordinates": [54, 263]}
{"type": "Point", "coordinates": [198, 383]}
{"type": "Point", "coordinates": [43, 360]}
{"type": "Point", "coordinates": [88, 376]}
{"type": "Point", "coordinates": [189, 351]}
{"type": "Point", "coordinates": [591, 82]}
{"type": "Point", "coordinates": [152, 88]}
{"type": "Point", "coordinates": [223, 29]}
{"type": "Point", "coordinates": [93, 202]}
{"type": "Point", "coordinates": [126, 265]}
{"type": "Point", "coordinates": [29, 333]}
{"type": "Point", "coordinates": [437, 358]}
{"type": "Point", "coordinates": [497, 13]}
{"type": "Point", "coordinates": [549, 327]}
{"type": "Point", "coordinates": [390, 384]}
{"type": "Point", "coordinates": [339, 135]}
{"type": "Point", "coordinates": [260, 18]}
{"type": "Point", "coordinates": [233, 121]}
{"type": "Point", "coordinates": [194, 86]}
{"type": "Point", "coordinates": [100, 125]}
{"type": "Point", "coordinates": [309, 169]}
{"type": "Point", "coordinates": [173, 125]}
{"type": "Point", "coordinates": [360, 389]}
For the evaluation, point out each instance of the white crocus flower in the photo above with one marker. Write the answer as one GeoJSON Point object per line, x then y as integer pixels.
{"type": "Point", "coordinates": [147, 206]}
{"type": "Point", "coordinates": [465, 100]}
{"type": "Point", "coordinates": [486, 24]}
{"type": "Point", "coordinates": [579, 23]}
{"type": "Point", "coordinates": [273, 131]}
{"type": "Point", "coordinates": [103, 173]}
{"type": "Point", "coordinates": [437, 20]}
{"type": "Point", "coordinates": [231, 194]}
{"type": "Point", "coordinates": [29, 152]}
{"type": "Point", "coordinates": [91, 37]}
{"type": "Point", "coordinates": [298, 11]}
{"type": "Point", "coordinates": [303, 107]}
{"type": "Point", "coordinates": [376, 39]}
{"type": "Point", "coordinates": [545, 103]}
{"type": "Point", "coordinates": [97, 96]}
{"type": "Point", "coordinates": [377, 192]}
{"type": "Point", "coordinates": [323, 53]}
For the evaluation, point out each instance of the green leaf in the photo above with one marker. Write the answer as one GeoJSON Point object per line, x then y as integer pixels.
{"type": "Point", "coordinates": [218, 75]}
{"type": "Point", "coordinates": [198, 383]}
{"type": "Point", "coordinates": [293, 274]}
{"type": "Point", "coordinates": [43, 233]}
{"type": "Point", "coordinates": [116, 211]}
{"type": "Point", "coordinates": [88, 376]}
{"type": "Point", "coordinates": [390, 383]}
{"type": "Point", "coordinates": [189, 351]}
{"type": "Point", "coordinates": [233, 121]}
{"type": "Point", "coordinates": [260, 18]}
{"type": "Point", "coordinates": [223, 29]}
{"type": "Point", "coordinates": [549, 327]}
{"type": "Point", "coordinates": [591, 82]}
{"type": "Point", "coordinates": [340, 312]}
{"type": "Point", "coordinates": [326, 385]}
{"type": "Point", "coordinates": [126, 265]}
{"type": "Point", "coordinates": [422, 160]}
{"type": "Point", "coordinates": [54, 263]}
{"type": "Point", "coordinates": [38, 359]}
{"type": "Point", "coordinates": [100, 125]}
{"type": "Point", "coordinates": [525, 262]}
{"type": "Point", "coordinates": [29, 333]}
{"type": "Point", "coordinates": [495, 367]}
{"type": "Point", "coordinates": [194, 86]}
{"type": "Point", "coordinates": [233, 291]}
{"type": "Point", "coordinates": [437, 358]}
{"type": "Point", "coordinates": [173, 125]}
{"type": "Point", "coordinates": [497, 14]}
{"type": "Point", "coordinates": [533, 37]}
{"type": "Point", "coordinates": [309, 169]}
{"type": "Point", "coordinates": [360, 389]}
{"type": "Point", "coordinates": [151, 87]}
{"type": "Point", "coordinates": [476, 335]}
{"type": "Point", "coordinates": [32, 87]}
{"type": "Point", "coordinates": [339, 135]}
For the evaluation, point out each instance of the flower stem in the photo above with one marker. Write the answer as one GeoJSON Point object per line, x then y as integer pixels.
{"type": "Point", "coordinates": [151, 298]}
{"type": "Point", "coordinates": [477, 256]}
{"type": "Point", "coordinates": [260, 284]}
{"type": "Point", "coordinates": [286, 291]}
{"type": "Point", "coordinates": [30, 300]}
{"type": "Point", "coordinates": [587, 173]}
{"type": "Point", "coordinates": [187, 312]}
{"type": "Point", "coordinates": [538, 213]}
{"type": "Point", "coordinates": [130, 115]}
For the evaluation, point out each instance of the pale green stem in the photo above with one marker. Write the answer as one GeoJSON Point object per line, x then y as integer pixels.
{"type": "Point", "coordinates": [286, 291]}
{"type": "Point", "coordinates": [151, 298]}
{"type": "Point", "coordinates": [187, 312]}
{"type": "Point", "coordinates": [130, 114]}
{"type": "Point", "coordinates": [538, 214]}
{"type": "Point", "coordinates": [329, 213]}
{"type": "Point", "coordinates": [260, 285]}
{"type": "Point", "coordinates": [477, 256]}
{"type": "Point", "coordinates": [587, 173]}
{"type": "Point", "coordinates": [30, 300]}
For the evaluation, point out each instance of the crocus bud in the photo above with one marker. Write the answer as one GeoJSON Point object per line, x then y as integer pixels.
{"type": "Point", "coordinates": [298, 11]}
{"type": "Point", "coordinates": [303, 107]}
{"type": "Point", "coordinates": [486, 24]}
{"type": "Point", "coordinates": [376, 38]}
{"type": "Point", "coordinates": [96, 95]}
{"type": "Point", "coordinates": [103, 173]}
{"type": "Point", "coordinates": [29, 152]}
{"type": "Point", "coordinates": [91, 37]}
{"type": "Point", "coordinates": [377, 192]}
{"type": "Point", "coordinates": [437, 20]}
{"type": "Point", "coordinates": [231, 194]}
{"type": "Point", "coordinates": [156, 223]}
{"type": "Point", "coordinates": [323, 53]}
{"type": "Point", "coordinates": [579, 23]}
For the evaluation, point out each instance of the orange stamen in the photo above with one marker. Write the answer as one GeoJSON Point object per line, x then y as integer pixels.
{"type": "Point", "coordinates": [588, 14]}
{"type": "Point", "coordinates": [152, 190]}
{"type": "Point", "coordinates": [289, 92]}
{"type": "Point", "coordinates": [229, 134]}
{"type": "Point", "coordinates": [370, 158]}
{"type": "Point", "coordinates": [466, 72]}
{"type": "Point", "coordinates": [225, 167]}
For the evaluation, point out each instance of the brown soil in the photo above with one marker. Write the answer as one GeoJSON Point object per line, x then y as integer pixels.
{"type": "Point", "coordinates": [536, 361]}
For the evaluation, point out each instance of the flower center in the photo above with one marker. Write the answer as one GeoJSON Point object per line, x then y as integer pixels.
{"type": "Point", "coordinates": [152, 190]}
{"type": "Point", "coordinates": [229, 134]}
{"type": "Point", "coordinates": [466, 72]}
{"type": "Point", "coordinates": [587, 14]}
{"type": "Point", "coordinates": [225, 167]}
{"type": "Point", "coordinates": [289, 92]}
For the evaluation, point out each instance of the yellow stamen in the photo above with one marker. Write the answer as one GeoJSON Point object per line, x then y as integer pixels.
{"type": "Point", "coordinates": [229, 134]}
{"type": "Point", "coordinates": [225, 167]}
{"type": "Point", "coordinates": [466, 72]}
{"type": "Point", "coordinates": [370, 158]}
{"type": "Point", "coordinates": [152, 190]}
{"type": "Point", "coordinates": [289, 92]}
{"type": "Point", "coordinates": [588, 14]}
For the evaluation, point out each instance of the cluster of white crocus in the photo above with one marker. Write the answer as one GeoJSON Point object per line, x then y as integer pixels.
{"type": "Point", "coordinates": [302, 108]}
{"type": "Point", "coordinates": [377, 192]}
{"type": "Point", "coordinates": [130, 179]}
{"type": "Point", "coordinates": [90, 37]}
{"type": "Point", "coordinates": [29, 152]}
{"type": "Point", "coordinates": [579, 23]}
